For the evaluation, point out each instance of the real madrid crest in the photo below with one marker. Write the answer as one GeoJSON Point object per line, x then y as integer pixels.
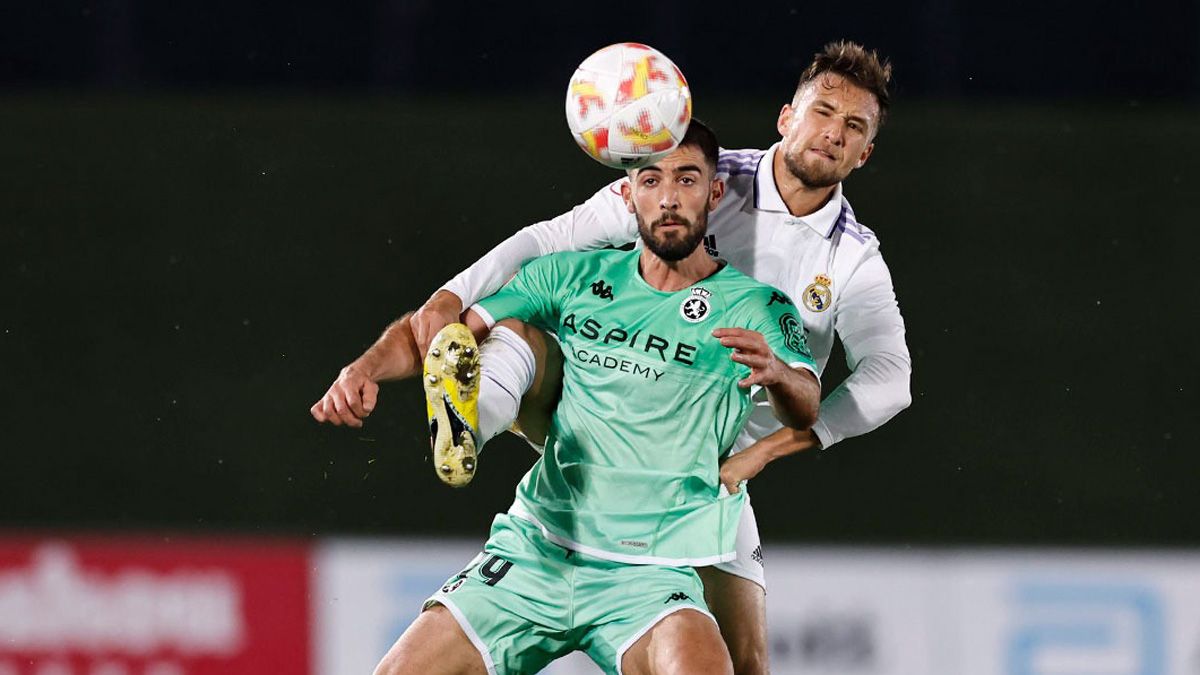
{"type": "Point", "coordinates": [817, 297]}
{"type": "Point", "coordinates": [695, 307]}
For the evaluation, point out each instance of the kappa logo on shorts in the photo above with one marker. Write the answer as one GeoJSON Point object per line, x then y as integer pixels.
{"type": "Point", "coordinates": [454, 584]}
{"type": "Point", "coordinates": [675, 597]}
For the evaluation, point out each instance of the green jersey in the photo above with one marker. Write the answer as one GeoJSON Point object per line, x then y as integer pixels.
{"type": "Point", "coordinates": [650, 403]}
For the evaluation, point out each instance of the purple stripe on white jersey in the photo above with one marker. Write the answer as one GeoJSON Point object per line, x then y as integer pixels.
{"type": "Point", "coordinates": [740, 164]}
{"type": "Point", "coordinates": [847, 223]}
{"type": "Point", "coordinates": [842, 228]}
{"type": "Point", "coordinates": [737, 168]}
{"type": "Point", "coordinates": [740, 157]}
{"type": "Point", "coordinates": [744, 151]}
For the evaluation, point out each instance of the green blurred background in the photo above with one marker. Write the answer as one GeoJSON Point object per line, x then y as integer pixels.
{"type": "Point", "coordinates": [184, 273]}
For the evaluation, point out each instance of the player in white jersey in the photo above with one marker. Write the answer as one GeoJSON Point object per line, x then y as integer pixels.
{"type": "Point", "coordinates": [785, 222]}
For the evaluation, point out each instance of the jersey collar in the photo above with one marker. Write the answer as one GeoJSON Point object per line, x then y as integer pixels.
{"type": "Point", "coordinates": [766, 198]}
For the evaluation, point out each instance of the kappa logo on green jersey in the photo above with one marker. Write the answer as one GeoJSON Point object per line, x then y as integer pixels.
{"type": "Point", "coordinates": [782, 299]}
{"type": "Point", "coordinates": [603, 290]}
{"type": "Point", "coordinates": [793, 334]}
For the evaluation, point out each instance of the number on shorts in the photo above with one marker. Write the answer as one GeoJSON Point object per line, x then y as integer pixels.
{"type": "Point", "coordinates": [493, 569]}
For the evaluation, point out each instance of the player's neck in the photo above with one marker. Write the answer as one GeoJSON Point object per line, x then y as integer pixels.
{"type": "Point", "coordinates": [677, 275]}
{"type": "Point", "coordinates": [801, 199]}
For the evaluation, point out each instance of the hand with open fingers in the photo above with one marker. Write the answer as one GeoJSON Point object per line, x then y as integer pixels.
{"type": "Point", "coordinates": [349, 400]}
{"type": "Point", "coordinates": [443, 307]}
{"type": "Point", "coordinates": [750, 348]}
{"type": "Point", "coordinates": [739, 467]}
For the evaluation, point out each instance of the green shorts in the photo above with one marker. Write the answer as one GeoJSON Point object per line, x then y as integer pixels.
{"type": "Point", "coordinates": [525, 601]}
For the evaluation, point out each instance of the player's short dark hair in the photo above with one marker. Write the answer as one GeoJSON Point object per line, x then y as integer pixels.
{"type": "Point", "coordinates": [700, 135]}
{"type": "Point", "coordinates": [857, 64]}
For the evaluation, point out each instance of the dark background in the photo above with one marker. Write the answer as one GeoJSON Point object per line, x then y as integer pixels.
{"type": "Point", "coordinates": [206, 209]}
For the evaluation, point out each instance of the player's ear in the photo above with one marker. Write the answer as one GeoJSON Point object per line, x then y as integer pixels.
{"type": "Point", "coordinates": [785, 119]}
{"type": "Point", "coordinates": [866, 153]}
{"type": "Point", "coordinates": [715, 193]}
{"type": "Point", "coordinates": [627, 195]}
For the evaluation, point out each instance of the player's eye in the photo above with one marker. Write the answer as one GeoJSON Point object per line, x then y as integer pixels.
{"type": "Point", "coordinates": [855, 126]}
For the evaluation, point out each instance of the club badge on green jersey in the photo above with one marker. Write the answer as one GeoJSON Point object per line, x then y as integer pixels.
{"type": "Point", "coordinates": [695, 307]}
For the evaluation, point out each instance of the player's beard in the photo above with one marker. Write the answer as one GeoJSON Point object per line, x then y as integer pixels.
{"type": "Point", "coordinates": [670, 246]}
{"type": "Point", "coordinates": [812, 174]}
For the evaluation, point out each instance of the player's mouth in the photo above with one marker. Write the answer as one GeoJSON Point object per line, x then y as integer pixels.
{"type": "Point", "coordinates": [672, 221]}
{"type": "Point", "coordinates": [822, 153]}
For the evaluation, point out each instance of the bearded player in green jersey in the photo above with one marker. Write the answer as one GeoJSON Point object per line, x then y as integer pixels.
{"type": "Point", "coordinates": [660, 348]}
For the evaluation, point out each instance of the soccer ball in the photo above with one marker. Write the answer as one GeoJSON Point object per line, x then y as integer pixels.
{"type": "Point", "coordinates": [628, 106]}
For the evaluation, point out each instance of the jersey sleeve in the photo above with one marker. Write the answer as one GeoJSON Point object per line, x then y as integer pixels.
{"type": "Point", "coordinates": [600, 221]}
{"type": "Point", "coordinates": [532, 295]}
{"type": "Point", "coordinates": [868, 322]}
{"type": "Point", "coordinates": [775, 316]}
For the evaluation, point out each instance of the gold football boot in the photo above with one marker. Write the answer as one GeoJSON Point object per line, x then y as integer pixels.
{"type": "Point", "coordinates": [451, 382]}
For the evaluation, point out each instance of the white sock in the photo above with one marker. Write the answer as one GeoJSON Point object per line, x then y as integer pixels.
{"type": "Point", "coordinates": [507, 368]}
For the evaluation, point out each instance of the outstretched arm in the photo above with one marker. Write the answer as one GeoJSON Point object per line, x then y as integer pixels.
{"type": "Point", "coordinates": [600, 221]}
{"type": "Point", "coordinates": [868, 322]}
{"type": "Point", "coordinates": [351, 397]}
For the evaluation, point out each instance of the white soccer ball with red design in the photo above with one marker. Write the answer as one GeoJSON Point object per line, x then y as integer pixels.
{"type": "Point", "coordinates": [628, 105]}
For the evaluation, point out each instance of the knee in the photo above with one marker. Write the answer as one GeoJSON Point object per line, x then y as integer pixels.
{"type": "Point", "coordinates": [695, 646]}
{"type": "Point", "coordinates": [545, 349]}
{"type": "Point", "coordinates": [517, 326]}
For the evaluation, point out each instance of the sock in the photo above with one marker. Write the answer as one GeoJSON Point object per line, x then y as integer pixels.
{"type": "Point", "coordinates": [507, 368]}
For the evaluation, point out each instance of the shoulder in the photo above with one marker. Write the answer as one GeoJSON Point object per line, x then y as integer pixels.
{"type": "Point", "coordinates": [568, 261]}
{"type": "Point", "coordinates": [731, 163]}
{"type": "Point", "coordinates": [745, 291]}
{"type": "Point", "coordinates": [847, 230]}
{"type": "Point", "coordinates": [738, 169]}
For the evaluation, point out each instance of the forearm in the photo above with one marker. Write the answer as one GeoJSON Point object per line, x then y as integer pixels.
{"type": "Point", "coordinates": [795, 398]}
{"type": "Point", "coordinates": [600, 221]}
{"type": "Point", "coordinates": [748, 463]}
{"type": "Point", "coordinates": [877, 389]}
{"type": "Point", "coordinates": [394, 355]}
{"type": "Point", "coordinates": [784, 442]}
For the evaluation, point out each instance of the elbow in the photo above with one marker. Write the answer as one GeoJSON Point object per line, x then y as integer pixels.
{"type": "Point", "coordinates": [895, 395]}
{"type": "Point", "coordinates": [903, 392]}
{"type": "Point", "coordinates": [807, 417]}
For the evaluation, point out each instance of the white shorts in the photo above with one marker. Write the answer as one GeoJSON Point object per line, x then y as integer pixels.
{"type": "Point", "coordinates": [749, 561]}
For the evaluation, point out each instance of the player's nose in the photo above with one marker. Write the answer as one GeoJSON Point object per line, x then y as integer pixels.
{"type": "Point", "coordinates": [835, 133]}
{"type": "Point", "coordinates": [669, 199]}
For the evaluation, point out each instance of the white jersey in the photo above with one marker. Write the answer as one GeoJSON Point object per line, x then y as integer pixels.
{"type": "Point", "coordinates": [827, 262]}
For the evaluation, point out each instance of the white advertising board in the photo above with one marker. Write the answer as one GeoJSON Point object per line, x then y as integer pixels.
{"type": "Point", "coordinates": [851, 611]}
